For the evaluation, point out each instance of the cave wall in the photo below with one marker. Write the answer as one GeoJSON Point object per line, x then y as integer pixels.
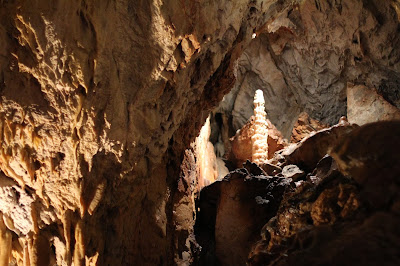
{"type": "Point", "coordinates": [92, 93]}
{"type": "Point", "coordinates": [305, 55]}
{"type": "Point", "coordinates": [99, 100]}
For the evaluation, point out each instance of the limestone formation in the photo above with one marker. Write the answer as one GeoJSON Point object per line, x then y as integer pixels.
{"type": "Point", "coordinates": [259, 139]}
{"type": "Point", "coordinates": [241, 143]}
{"type": "Point", "coordinates": [206, 159]}
{"type": "Point", "coordinates": [5, 242]}
{"type": "Point", "coordinates": [101, 100]}
{"type": "Point", "coordinates": [304, 57]}
{"type": "Point", "coordinates": [228, 208]}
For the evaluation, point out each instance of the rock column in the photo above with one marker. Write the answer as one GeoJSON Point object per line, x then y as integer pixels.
{"type": "Point", "coordinates": [260, 136]}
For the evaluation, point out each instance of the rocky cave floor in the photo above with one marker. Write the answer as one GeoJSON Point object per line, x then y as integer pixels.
{"type": "Point", "coordinates": [330, 197]}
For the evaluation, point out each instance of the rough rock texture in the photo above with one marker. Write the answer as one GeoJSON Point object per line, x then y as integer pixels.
{"type": "Point", "coordinates": [365, 105]}
{"type": "Point", "coordinates": [310, 150]}
{"type": "Point", "coordinates": [304, 56]}
{"type": "Point", "coordinates": [241, 145]}
{"type": "Point", "coordinates": [330, 219]}
{"type": "Point", "coordinates": [374, 161]}
{"type": "Point", "coordinates": [93, 94]}
{"type": "Point", "coordinates": [233, 210]}
{"type": "Point", "coordinates": [184, 244]}
{"type": "Point", "coordinates": [304, 126]}
{"type": "Point", "coordinates": [100, 99]}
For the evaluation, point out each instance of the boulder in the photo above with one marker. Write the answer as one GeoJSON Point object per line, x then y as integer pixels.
{"type": "Point", "coordinates": [231, 206]}
{"type": "Point", "coordinates": [369, 155]}
{"type": "Point", "coordinates": [310, 150]}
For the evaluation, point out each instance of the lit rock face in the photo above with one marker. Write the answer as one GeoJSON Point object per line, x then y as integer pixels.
{"type": "Point", "coordinates": [206, 159]}
{"type": "Point", "coordinates": [241, 143]}
{"type": "Point", "coordinates": [304, 126]}
{"type": "Point", "coordinates": [93, 95]}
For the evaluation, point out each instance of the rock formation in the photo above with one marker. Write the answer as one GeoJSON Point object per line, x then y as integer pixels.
{"type": "Point", "coordinates": [101, 100]}
{"type": "Point", "coordinates": [229, 207]}
{"type": "Point", "coordinates": [304, 126]}
{"type": "Point", "coordinates": [98, 103]}
{"type": "Point", "coordinates": [241, 143]}
{"type": "Point", "coordinates": [334, 202]}
{"type": "Point", "coordinates": [365, 106]}
{"type": "Point", "coordinates": [336, 214]}
{"type": "Point", "coordinates": [206, 159]}
{"type": "Point", "coordinates": [259, 143]}
{"type": "Point", "coordinates": [303, 58]}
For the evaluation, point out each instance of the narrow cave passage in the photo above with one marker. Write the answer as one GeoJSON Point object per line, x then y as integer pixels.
{"type": "Point", "coordinates": [315, 101]}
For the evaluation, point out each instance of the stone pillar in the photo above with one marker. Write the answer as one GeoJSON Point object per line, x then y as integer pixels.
{"type": "Point", "coordinates": [260, 136]}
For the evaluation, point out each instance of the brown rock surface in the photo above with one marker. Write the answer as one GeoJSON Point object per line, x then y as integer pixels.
{"type": "Point", "coordinates": [92, 94]}
{"type": "Point", "coordinates": [304, 126]}
{"type": "Point", "coordinates": [330, 219]}
{"type": "Point", "coordinates": [369, 155]}
{"type": "Point", "coordinates": [242, 147]}
{"type": "Point", "coordinates": [100, 100]}
{"type": "Point", "coordinates": [235, 202]}
{"type": "Point", "coordinates": [365, 105]}
{"type": "Point", "coordinates": [310, 150]}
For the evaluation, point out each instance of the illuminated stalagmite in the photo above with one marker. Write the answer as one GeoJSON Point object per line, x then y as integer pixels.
{"type": "Point", "coordinates": [260, 136]}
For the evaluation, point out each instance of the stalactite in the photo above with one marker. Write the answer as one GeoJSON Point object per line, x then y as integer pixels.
{"type": "Point", "coordinates": [79, 251]}
{"type": "Point", "coordinates": [17, 251]}
{"type": "Point", "coordinates": [260, 136]}
{"type": "Point", "coordinates": [40, 250]}
{"type": "Point", "coordinates": [66, 220]}
{"type": "Point", "coordinates": [5, 242]}
{"type": "Point", "coordinates": [27, 244]}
